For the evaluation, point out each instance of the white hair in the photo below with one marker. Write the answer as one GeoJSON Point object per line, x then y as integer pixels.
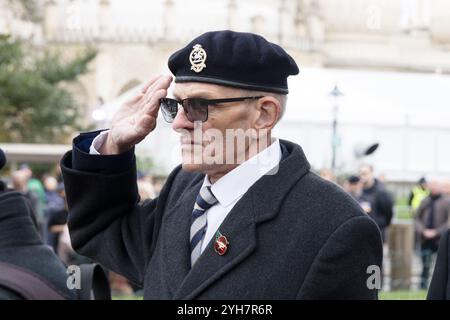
{"type": "Point", "coordinates": [282, 99]}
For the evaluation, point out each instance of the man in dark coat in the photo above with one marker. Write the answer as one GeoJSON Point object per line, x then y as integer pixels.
{"type": "Point", "coordinates": [431, 221]}
{"type": "Point", "coordinates": [21, 246]}
{"type": "Point", "coordinates": [262, 227]}
{"type": "Point", "coordinates": [375, 199]}
{"type": "Point", "coordinates": [440, 283]}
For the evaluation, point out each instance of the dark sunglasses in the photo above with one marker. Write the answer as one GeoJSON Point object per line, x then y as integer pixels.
{"type": "Point", "coordinates": [196, 109]}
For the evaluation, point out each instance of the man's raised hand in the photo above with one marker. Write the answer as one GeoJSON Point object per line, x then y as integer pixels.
{"type": "Point", "coordinates": [137, 117]}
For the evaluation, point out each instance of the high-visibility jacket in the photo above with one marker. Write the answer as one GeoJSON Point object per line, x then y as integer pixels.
{"type": "Point", "coordinates": [418, 195]}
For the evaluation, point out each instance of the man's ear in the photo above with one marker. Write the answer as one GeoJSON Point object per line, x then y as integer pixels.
{"type": "Point", "coordinates": [269, 110]}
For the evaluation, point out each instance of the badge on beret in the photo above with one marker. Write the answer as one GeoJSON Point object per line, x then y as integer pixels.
{"type": "Point", "coordinates": [198, 58]}
{"type": "Point", "coordinates": [221, 244]}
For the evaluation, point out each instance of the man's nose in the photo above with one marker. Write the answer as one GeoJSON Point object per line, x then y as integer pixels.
{"type": "Point", "coordinates": [181, 121]}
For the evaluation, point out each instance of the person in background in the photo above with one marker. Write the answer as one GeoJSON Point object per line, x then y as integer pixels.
{"type": "Point", "coordinates": [431, 222]}
{"type": "Point", "coordinates": [35, 186]}
{"type": "Point", "coordinates": [22, 249]}
{"type": "Point", "coordinates": [50, 188]}
{"type": "Point", "coordinates": [417, 194]}
{"type": "Point", "coordinates": [378, 201]}
{"type": "Point", "coordinates": [19, 181]}
{"type": "Point", "coordinates": [353, 186]}
{"type": "Point", "coordinates": [327, 174]}
{"type": "Point", "coordinates": [52, 200]}
{"type": "Point", "coordinates": [55, 211]}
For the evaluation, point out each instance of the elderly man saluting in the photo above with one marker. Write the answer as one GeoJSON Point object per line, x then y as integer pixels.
{"type": "Point", "coordinates": [240, 218]}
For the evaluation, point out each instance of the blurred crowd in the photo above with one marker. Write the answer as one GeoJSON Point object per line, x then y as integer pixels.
{"type": "Point", "coordinates": [46, 197]}
{"type": "Point", "coordinates": [428, 202]}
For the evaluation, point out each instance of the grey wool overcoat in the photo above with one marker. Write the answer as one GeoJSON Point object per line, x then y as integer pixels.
{"type": "Point", "coordinates": [293, 235]}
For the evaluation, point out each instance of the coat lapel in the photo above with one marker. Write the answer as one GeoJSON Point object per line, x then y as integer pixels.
{"type": "Point", "coordinates": [239, 228]}
{"type": "Point", "coordinates": [260, 203]}
{"type": "Point", "coordinates": [175, 237]}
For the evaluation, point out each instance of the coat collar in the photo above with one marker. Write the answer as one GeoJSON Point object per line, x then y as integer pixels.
{"type": "Point", "coordinates": [260, 203]}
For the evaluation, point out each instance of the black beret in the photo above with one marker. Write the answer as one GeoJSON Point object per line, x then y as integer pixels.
{"type": "Point", "coordinates": [235, 59]}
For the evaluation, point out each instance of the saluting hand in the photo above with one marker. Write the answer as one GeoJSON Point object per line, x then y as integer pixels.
{"type": "Point", "coordinates": [137, 117]}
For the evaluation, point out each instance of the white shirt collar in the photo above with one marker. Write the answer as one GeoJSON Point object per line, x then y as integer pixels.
{"type": "Point", "coordinates": [235, 183]}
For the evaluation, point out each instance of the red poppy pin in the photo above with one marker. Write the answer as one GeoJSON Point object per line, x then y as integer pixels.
{"type": "Point", "coordinates": [221, 244]}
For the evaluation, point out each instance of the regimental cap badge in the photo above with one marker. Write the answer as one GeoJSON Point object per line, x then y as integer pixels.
{"type": "Point", "coordinates": [197, 58]}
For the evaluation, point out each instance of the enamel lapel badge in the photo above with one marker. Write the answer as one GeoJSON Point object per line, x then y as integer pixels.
{"type": "Point", "coordinates": [221, 244]}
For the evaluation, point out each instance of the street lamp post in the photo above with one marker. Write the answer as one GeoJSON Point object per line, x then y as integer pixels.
{"type": "Point", "coordinates": [335, 95]}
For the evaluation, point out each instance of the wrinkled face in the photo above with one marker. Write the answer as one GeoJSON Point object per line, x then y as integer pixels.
{"type": "Point", "coordinates": [223, 140]}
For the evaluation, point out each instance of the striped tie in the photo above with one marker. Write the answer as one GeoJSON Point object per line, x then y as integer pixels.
{"type": "Point", "coordinates": [204, 201]}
